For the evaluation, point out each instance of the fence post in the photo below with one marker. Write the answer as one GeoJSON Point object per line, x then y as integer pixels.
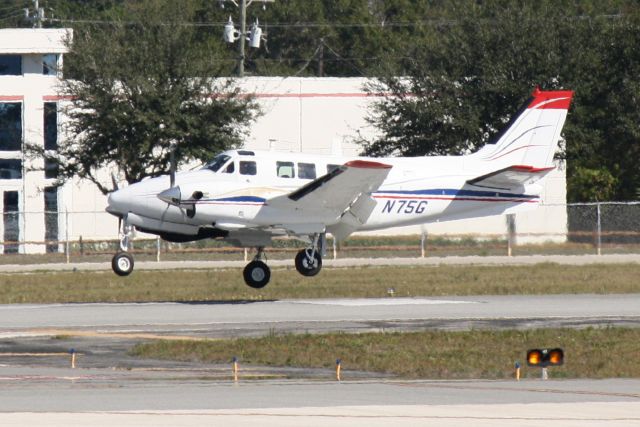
{"type": "Point", "coordinates": [158, 249]}
{"type": "Point", "coordinates": [335, 247]}
{"type": "Point", "coordinates": [598, 231]}
{"type": "Point", "coordinates": [81, 247]}
{"type": "Point", "coordinates": [511, 233]}
{"type": "Point", "coordinates": [423, 244]}
{"type": "Point", "coordinates": [66, 231]}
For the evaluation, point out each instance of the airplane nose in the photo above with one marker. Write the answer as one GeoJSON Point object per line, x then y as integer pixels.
{"type": "Point", "coordinates": [114, 202]}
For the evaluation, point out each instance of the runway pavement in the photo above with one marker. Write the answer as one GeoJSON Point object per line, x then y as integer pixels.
{"type": "Point", "coordinates": [251, 318]}
{"type": "Point", "coordinates": [109, 387]}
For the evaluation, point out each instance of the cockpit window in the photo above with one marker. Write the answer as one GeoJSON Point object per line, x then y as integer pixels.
{"type": "Point", "coordinates": [217, 162]}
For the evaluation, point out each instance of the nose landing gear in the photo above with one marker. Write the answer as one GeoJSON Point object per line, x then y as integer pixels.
{"type": "Point", "coordinates": [122, 262]}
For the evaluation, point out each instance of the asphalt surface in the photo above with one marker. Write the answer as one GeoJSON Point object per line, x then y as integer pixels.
{"type": "Point", "coordinates": [97, 397]}
{"type": "Point", "coordinates": [109, 387]}
{"type": "Point", "coordinates": [253, 318]}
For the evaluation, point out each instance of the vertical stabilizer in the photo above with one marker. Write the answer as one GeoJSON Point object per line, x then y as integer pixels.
{"type": "Point", "coordinates": [531, 138]}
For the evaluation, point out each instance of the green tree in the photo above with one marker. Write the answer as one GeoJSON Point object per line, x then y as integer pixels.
{"type": "Point", "coordinates": [592, 185]}
{"type": "Point", "coordinates": [138, 85]}
{"type": "Point", "coordinates": [481, 60]}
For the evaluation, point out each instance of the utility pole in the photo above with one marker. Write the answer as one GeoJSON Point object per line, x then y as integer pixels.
{"type": "Point", "coordinates": [38, 14]}
{"type": "Point", "coordinates": [231, 34]}
{"type": "Point", "coordinates": [243, 31]}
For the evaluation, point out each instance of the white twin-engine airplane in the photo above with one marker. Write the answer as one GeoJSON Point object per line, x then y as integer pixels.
{"type": "Point", "coordinates": [248, 197]}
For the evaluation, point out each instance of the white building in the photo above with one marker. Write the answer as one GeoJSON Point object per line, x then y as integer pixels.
{"type": "Point", "coordinates": [29, 64]}
{"type": "Point", "coordinates": [311, 115]}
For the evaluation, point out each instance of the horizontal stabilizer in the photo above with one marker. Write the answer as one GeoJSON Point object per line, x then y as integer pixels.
{"type": "Point", "coordinates": [511, 177]}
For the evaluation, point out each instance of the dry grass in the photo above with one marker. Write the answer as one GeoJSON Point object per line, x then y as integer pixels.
{"type": "Point", "coordinates": [589, 353]}
{"type": "Point", "coordinates": [217, 285]}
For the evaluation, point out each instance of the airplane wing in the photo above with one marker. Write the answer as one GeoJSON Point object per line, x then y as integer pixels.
{"type": "Point", "coordinates": [511, 177]}
{"type": "Point", "coordinates": [347, 188]}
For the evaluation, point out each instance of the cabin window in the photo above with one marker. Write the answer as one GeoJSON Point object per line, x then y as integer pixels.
{"type": "Point", "coordinates": [248, 168]}
{"type": "Point", "coordinates": [230, 168]}
{"type": "Point", "coordinates": [306, 171]}
{"type": "Point", "coordinates": [285, 169]}
{"type": "Point", "coordinates": [217, 162]}
{"type": "Point", "coordinates": [331, 168]}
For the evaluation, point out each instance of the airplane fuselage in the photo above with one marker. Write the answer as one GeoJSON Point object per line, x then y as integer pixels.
{"type": "Point", "coordinates": [235, 196]}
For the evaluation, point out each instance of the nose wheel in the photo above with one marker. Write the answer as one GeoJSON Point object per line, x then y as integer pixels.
{"type": "Point", "coordinates": [122, 264]}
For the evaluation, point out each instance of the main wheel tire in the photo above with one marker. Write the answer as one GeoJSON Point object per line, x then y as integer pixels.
{"type": "Point", "coordinates": [122, 264]}
{"type": "Point", "coordinates": [257, 274]}
{"type": "Point", "coordinates": [307, 266]}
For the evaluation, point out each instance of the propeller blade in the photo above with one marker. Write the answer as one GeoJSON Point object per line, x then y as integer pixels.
{"type": "Point", "coordinates": [114, 182]}
{"type": "Point", "coordinates": [172, 166]}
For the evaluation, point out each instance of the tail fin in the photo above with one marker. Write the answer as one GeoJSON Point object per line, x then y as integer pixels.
{"type": "Point", "coordinates": [531, 137]}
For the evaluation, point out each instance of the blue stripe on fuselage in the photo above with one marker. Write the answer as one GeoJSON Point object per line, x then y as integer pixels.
{"type": "Point", "coordinates": [455, 193]}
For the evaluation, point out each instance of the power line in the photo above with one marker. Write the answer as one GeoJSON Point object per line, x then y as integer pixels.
{"type": "Point", "coordinates": [406, 24]}
{"type": "Point", "coordinates": [14, 15]}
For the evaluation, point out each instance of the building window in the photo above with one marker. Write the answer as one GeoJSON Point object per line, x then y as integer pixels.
{"type": "Point", "coordinates": [50, 169]}
{"type": "Point", "coordinates": [285, 169]}
{"type": "Point", "coordinates": [248, 168]}
{"type": "Point", "coordinates": [50, 64]}
{"type": "Point", "coordinates": [11, 222]}
{"type": "Point", "coordinates": [10, 65]}
{"type": "Point", "coordinates": [306, 171]}
{"type": "Point", "coordinates": [10, 169]}
{"type": "Point", "coordinates": [50, 126]}
{"type": "Point", "coordinates": [10, 126]}
{"type": "Point", "coordinates": [51, 218]}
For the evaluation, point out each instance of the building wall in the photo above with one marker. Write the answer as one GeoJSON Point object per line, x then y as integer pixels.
{"type": "Point", "coordinates": [31, 89]}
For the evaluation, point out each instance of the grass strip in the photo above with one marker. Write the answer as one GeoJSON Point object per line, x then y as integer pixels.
{"type": "Point", "coordinates": [589, 353]}
{"type": "Point", "coordinates": [355, 282]}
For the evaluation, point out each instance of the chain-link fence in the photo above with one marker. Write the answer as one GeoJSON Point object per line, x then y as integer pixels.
{"type": "Point", "coordinates": [587, 228]}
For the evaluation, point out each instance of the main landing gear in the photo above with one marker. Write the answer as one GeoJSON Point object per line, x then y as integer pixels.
{"type": "Point", "coordinates": [308, 263]}
{"type": "Point", "coordinates": [257, 273]}
{"type": "Point", "coordinates": [122, 261]}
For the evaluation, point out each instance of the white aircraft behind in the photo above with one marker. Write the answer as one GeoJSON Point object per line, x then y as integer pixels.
{"type": "Point", "coordinates": [248, 197]}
